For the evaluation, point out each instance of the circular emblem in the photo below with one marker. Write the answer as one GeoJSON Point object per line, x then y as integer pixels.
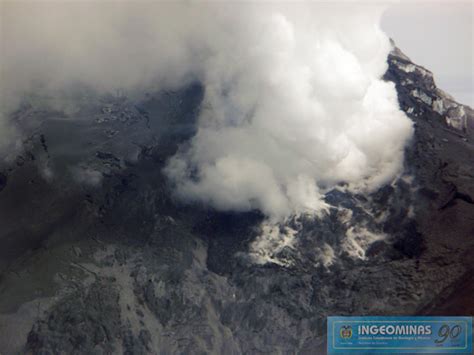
{"type": "Point", "coordinates": [346, 332]}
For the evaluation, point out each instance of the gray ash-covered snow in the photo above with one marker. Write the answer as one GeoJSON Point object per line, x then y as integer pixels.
{"type": "Point", "coordinates": [103, 260]}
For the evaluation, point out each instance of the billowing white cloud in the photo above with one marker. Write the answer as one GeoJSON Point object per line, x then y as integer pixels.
{"type": "Point", "coordinates": [294, 103]}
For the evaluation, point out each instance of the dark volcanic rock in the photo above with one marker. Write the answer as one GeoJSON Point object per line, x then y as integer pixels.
{"type": "Point", "coordinates": [3, 181]}
{"type": "Point", "coordinates": [83, 322]}
{"type": "Point", "coordinates": [127, 269]}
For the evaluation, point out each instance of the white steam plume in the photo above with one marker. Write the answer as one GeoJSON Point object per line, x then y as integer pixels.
{"type": "Point", "coordinates": [294, 101]}
{"type": "Point", "coordinates": [294, 104]}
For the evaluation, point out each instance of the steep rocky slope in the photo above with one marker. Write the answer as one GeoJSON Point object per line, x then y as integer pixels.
{"type": "Point", "coordinates": [98, 258]}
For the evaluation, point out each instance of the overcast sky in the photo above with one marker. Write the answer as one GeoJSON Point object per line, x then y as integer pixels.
{"type": "Point", "coordinates": [439, 36]}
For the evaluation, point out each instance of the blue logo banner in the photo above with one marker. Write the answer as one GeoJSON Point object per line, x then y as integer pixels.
{"type": "Point", "coordinates": [396, 335]}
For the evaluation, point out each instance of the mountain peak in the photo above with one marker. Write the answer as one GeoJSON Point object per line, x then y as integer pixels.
{"type": "Point", "coordinates": [418, 93]}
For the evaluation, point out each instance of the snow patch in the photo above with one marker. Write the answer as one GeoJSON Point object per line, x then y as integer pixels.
{"type": "Point", "coordinates": [438, 106]}
{"type": "Point", "coordinates": [456, 118]}
{"type": "Point", "coordinates": [422, 96]}
{"type": "Point", "coordinates": [407, 68]}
